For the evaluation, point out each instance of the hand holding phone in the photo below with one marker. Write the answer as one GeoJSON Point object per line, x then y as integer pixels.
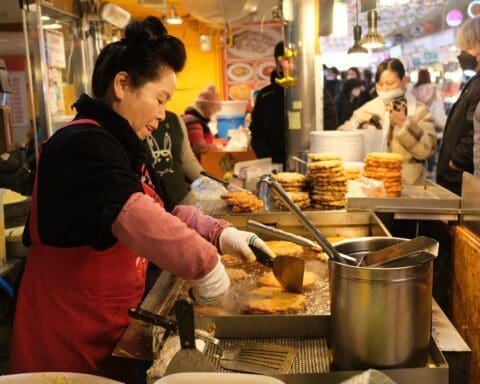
{"type": "Point", "coordinates": [398, 111]}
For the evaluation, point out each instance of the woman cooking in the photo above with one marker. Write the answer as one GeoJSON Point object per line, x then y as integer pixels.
{"type": "Point", "coordinates": [94, 225]}
{"type": "Point", "coordinates": [396, 122]}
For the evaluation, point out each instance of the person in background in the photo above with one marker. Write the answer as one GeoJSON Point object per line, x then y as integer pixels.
{"type": "Point", "coordinates": [93, 224]}
{"type": "Point", "coordinates": [405, 126]}
{"type": "Point", "coordinates": [198, 116]}
{"type": "Point", "coordinates": [352, 73]}
{"type": "Point", "coordinates": [369, 84]}
{"type": "Point", "coordinates": [268, 116]}
{"type": "Point", "coordinates": [269, 125]}
{"type": "Point", "coordinates": [349, 99]}
{"type": "Point", "coordinates": [456, 151]}
{"type": "Point", "coordinates": [171, 162]}
{"type": "Point", "coordinates": [429, 94]}
{"type": "Point", "coordinates": [330, 118]}
{"type": "Point", "coordinates": [332, 81]}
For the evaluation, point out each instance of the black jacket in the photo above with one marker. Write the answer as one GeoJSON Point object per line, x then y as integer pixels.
{"type": "Point", "coordinates": [85, 175]}
{"type": "Point", "coordinates": [268, 124]}
{"type": "Point", "coordinates": [457, 143]}
{"type": "Point", "coordinates": [330, 121]}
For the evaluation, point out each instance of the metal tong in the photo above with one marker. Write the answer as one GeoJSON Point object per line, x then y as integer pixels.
{"type": "Point", "coordinates": [317, 235]}
{"type": "Point", "coordinates": [263, 229]}
{"type": "Point", "coordinates": [225, 183]}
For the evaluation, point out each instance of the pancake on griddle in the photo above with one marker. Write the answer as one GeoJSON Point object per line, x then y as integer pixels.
{"type": "Point", "coordinates": [282, 302]}
{"type": "Point", "coordinates": [269, 280]}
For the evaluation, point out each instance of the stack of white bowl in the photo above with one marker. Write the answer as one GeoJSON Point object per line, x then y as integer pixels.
{"type": "Point", "coordinates": [349, 145]}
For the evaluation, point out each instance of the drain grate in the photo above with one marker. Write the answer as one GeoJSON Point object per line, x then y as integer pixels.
{"type": "Point", "coordinates": [313, 355]}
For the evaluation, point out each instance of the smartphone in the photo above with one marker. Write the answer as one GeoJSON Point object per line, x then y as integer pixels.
{"type": "Point", "coordinates": [397, 103]}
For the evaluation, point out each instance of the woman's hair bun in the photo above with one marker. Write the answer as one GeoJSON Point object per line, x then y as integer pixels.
{"type": "Point", "coordinates": [147, 31]}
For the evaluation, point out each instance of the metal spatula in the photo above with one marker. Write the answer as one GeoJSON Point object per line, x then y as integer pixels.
{"type": "Point", "coordinates": [259, 358]}
{"type": "Point", "coordinates": [288, 270]}
{"type": "Point", "coordinates": [189, 358]}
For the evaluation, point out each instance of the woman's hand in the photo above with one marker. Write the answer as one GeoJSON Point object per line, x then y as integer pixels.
{"type": "Point", "coordinates": [213, 286]}
{"type": "Point", "coordinates": [236, 243]}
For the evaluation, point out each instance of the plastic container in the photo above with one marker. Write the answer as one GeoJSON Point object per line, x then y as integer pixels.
{"type": "Point", "coordinates": [227, 122]}
{"type": "Point", "coordinates": [217, 378]}
{"type": "Point", "coordinates": [233, 107]}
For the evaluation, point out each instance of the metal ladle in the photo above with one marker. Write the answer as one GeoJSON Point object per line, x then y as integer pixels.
{"type": "Point", "coordinates": [317, 235]}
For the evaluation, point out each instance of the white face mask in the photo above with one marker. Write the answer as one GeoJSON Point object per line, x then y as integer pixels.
{"type": "Point", "coordinates": [387, 96]}
{"type": "Point", "coordinates": [356, 92]}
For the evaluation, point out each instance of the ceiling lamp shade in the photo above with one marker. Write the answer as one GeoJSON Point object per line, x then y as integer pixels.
{"type": "Point", "coordinates": [173, 18]}
{"type": "Point", "coordinates": [372, 39]}
{"type": "Point", "coordinates": [356, 51]}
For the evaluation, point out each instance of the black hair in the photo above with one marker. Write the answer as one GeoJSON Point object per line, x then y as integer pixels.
{"type": "Point", "coordinates": [393, 65]}
{"type": "Point", "coordinates": [350, 84]}
{"type": "Point", "coordinates": [354, 69]}
{"type": "Point", "coordinates": [145, 49]}
{"type": "Point", "coordinates": [334, 70]}
{"type": "Point", "coordinates": [279, 50]}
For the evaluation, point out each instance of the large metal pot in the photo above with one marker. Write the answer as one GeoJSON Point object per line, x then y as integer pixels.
{"type": "Point", "coordinates": [381, 317]}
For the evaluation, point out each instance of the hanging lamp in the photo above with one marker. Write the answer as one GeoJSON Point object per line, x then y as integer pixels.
{"type": "Point", "coordinates": [372, 39]}
{"type": "Point", "coordinates": [173, 18]}
{"type": "Point", "coordinates": [356, 51]}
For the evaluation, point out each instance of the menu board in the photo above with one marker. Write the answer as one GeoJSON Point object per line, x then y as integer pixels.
{"type": "Point", "coordinates": [248, 63]}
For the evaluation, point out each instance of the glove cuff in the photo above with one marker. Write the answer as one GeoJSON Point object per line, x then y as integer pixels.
{"type": "Point", "coordinates": [213, 285]}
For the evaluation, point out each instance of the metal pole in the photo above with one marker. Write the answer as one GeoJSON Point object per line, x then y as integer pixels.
{"type": "Point", "coordinates": [30, 81]}
{"type": "Point", "coordinates": [301, 34]}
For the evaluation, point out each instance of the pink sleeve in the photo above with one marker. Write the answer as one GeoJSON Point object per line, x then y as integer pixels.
{"type": "Point", "coordinates": [208, 227]}
{"type": "Point", "coordinates": [151, 232]}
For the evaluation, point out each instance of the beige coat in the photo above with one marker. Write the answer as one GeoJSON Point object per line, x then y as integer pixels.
{"type": "Point", "coordinates": [415, 140]}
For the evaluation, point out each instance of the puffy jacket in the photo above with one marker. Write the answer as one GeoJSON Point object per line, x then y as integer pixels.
{"type": "Point", "coordinates": [415, 141]}
{"type": "Point", "coordinates": [457, 144]}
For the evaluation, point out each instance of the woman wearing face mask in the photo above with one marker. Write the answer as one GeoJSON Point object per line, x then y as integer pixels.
{"type": "Point", "coordinates": [350, 98]}
{"type": "Point", "coordinates": [406, 125]}
{"type": "Point", "coordinates": [94, 225]}
{"type": "Point", "coordinates": [456, 152]}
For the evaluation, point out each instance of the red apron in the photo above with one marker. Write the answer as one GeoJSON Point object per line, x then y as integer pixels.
{"type": "Point", "coordinates": [72, 305]}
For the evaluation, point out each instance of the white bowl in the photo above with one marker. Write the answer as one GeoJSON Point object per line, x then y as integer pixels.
{"type": "Point", "coordinates": [217, 378]}
{"type": "Point", "coordinates": [55, 377]}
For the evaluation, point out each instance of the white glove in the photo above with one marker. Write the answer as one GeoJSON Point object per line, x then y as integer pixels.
{"type": "Point", "coordinates": [236, 243]}
{"type": "Point", "coordinates": [213, 286]}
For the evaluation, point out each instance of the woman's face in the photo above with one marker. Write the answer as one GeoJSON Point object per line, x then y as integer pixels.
{"type": "Point", "coordinates": [389, 80]}
{"type": "Point", "coordinates": [144, 107]}
{"type": "Point", "coordinates": [351, 74]}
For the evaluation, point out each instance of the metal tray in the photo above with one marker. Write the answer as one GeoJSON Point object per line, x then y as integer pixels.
{"type": "Point", "coordinates": [309, 334]}
{"type": "Point", "coordinates": [429, 201]}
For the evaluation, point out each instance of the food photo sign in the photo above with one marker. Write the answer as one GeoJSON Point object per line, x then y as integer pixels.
{"type": "Point", "coordinates": [248, 62]}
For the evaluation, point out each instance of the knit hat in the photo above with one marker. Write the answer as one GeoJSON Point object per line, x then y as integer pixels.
{"type": "Point", "coordinates": [209, 99]}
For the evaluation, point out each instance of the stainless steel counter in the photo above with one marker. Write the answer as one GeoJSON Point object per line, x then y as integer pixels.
{"type": "Point", "coordinates": [417, 202]}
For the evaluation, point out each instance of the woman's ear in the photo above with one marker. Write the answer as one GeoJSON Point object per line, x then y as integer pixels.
{"type": "Point", "coordinates": [405, 81]}
{"type": "Point", "coordinates": [121, 82]}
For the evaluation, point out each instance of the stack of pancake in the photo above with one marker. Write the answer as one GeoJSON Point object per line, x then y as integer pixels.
{"type": "Point", "coordinates": [290, 181]}
{"type": "Point", "coordinates": [293, 183]}
{"type": "Point", "coordinates": [301, 199]}
{"type": "Point", "coordinates": [352, 173]}
{"type": "Point", "coordinates": [386, 167]}
{"type": "Point", "coordinates": [329, 181]}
